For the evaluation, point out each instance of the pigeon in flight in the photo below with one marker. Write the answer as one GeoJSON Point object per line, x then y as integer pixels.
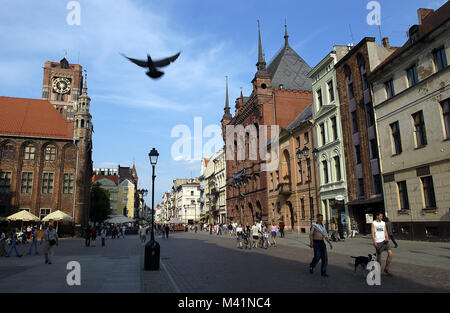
{"type": "Point", "coordinates": [153, 65]}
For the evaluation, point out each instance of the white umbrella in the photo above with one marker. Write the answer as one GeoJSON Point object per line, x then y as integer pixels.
{"type": "Point", "coordinates": [120, 219]}
{"type": "Point", "coordinates": [58, 216]}
{"type": "Point", "coordinates": [23, 216]}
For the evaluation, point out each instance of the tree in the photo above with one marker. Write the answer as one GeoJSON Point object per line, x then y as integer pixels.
{"type": "Point", "coordinates": [100, 206]}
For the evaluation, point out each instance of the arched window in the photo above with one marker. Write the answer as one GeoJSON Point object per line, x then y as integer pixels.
{"type": "Point", "coordinates": [7, 151]}
{"type": "Point", "coordinates": [87, 124]}
{"type": "Point", "coordinates": [82, 124]}
{"type": "Point", "coordinates": [30, 152]}
{"type": "Point", "coordinates": [50, 153]}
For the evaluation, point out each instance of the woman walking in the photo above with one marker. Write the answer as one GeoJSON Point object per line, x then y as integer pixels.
{"type": "Point", "coordinates": [93, 235]}
{"type": "Point", "coordinates": [274, 234]}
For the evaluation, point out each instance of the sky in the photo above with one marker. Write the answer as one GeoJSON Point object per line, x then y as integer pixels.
{"type": "Point", "coordinates": [131, 113]}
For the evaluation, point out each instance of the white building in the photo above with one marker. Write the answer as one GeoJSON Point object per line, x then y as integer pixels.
{"type": "Point", "coordinates": [187, 194]}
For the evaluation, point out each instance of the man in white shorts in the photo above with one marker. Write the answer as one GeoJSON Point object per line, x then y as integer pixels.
{"type": "Point", "coordinates": [380, 239]}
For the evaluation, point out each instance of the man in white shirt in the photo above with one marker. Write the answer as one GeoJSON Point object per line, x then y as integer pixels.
{"type": "Point", "coordinates": [380, 238]}
{"type": "Point", "coordinates": [50, 240]}
{"type": "Point", "coordinates": [255, 234]}
{"type": "Point", "coordinates": [34, 242]}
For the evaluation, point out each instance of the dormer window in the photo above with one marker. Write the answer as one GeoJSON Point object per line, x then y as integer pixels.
{"type": "Point", "coordinates": [414, 33]}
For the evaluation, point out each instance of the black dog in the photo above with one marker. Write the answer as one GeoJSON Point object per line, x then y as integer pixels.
{"type": "Point", "coordinates": [363, 260]}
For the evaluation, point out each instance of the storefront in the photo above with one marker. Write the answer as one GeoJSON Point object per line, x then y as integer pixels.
{"type": "Point", "coordinates": [363, 213]}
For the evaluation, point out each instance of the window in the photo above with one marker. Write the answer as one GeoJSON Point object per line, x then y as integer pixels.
{"type": "Point", "coordinates": [306, 138]}
{"type": "Point", "coordinates": [7, 151]}
{"type": "Point", "coordinates": [358, 154]}
{"type": "Point", "coordinates": [365, 84]}
{"type": "Point", "coordinates": [298, 142]}
{"type": "Point", "coordinates": [50, 153]}
{"type": "Point", "coordinates": [419, 129]}
{"type": "Point", "coordinates": [403, 195]}
{"type": "Point", "coordinates": [440, 59]}
{"type": "Point", "coordinates": [389, 86]}
{"type": "Point", "coordinates": [277, 178]}
{"type": "Point", "coordinates": [192, 193]}
{"type": "Point", "coordinates": [350, 91]}
{"type": "Point", "coordinates": [337, 168]}
{"type": "Point", "coordinates": [308, 166]}
{"type": "Point", "coordinates": [30, 151]}
{"type": "Point", "coordinates": [334, 128]}
{"type": "Point", "coordinates": [331, 90]}
{"type": "Point", "coordinates": [428, 192]}
{"type": "Point", "coordinates": [354, 122]}
{"type": "Point", "coordinates": [412, 75]}
{"type": "Point", "coordinates": [5, 182]}
{"type": "Point", "coordinates": [396, 139]}
{"type": "Point", "coordinates": [68, 184]}
{"type": "Point", "coordinates": [322, 133]}
{"type": "Point", "coordinates": [26, 184]}
{"type": "Point", "coordinates": [302, 204]}
{"type": "Point", "coordinates": [319, 97]}
{"type": "Point", "coordinates": [377, 186]}
{"type": "Point", "coordinates": [361, 192]}
{"type": "Point", "coordinates": [300, 173]}
{"type": "Point", "coordinates": [325, 171]}
{"type": "Point", "coordinates": [193, 202]}
{"type": "Point", "coordinates": [373, 149]}
{"type": "Point", "coordinates": [370, 115]}
{"type": "Point", "coordinates": [47, 183]}
{"type": "Point", "coordinates": [271, 181]}
{"type": "Point", "coordinates": [43, 213]}
{"type": "Point", "coordinates": [445, 105]}
{"type": "Point", "coordinates": [311, 207]}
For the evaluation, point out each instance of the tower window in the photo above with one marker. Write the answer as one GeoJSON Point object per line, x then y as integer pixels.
{"type": "Point", "coordinates": [30, 152]}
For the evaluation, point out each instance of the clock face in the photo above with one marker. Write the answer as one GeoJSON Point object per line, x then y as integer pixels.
{"type": "Point", "coordinates": [61, 85]}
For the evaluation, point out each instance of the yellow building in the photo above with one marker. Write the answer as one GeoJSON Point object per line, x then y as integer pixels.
{"type": "Point", "coordinates": [125, 198]}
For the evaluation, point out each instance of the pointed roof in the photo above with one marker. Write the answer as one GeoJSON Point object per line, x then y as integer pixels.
{"type": "Point", "coordinates": [227, 114]}
{"type": "Point", "coordinates": [261, 65]}
{"type": "Point", "coordinates": [32, 118]}
{"type": "Point", "coordinates": [289, 69]}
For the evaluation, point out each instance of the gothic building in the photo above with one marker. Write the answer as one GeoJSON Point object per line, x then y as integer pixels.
{"type": "Point", "coordinates": [46, 147]}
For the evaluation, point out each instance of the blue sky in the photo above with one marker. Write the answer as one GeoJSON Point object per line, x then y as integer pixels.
{"type": "Point", "coordinates": [131, 113]}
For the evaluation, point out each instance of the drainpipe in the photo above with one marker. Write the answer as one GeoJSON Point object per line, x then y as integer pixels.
{"type": "Point", "coordinates": [274, 109]}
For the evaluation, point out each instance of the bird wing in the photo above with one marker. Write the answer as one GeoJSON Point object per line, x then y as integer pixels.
{"type": "Point", "coordinates": [166, 61]}
{"type": "Point", "coordinates": [140, 63]}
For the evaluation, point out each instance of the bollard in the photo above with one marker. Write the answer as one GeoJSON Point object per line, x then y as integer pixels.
{"type": "Point", "coordinates": [151, 260]}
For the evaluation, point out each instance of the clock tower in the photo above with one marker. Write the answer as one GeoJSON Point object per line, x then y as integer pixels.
{"type": "Point", "coordinates": [62, 86]}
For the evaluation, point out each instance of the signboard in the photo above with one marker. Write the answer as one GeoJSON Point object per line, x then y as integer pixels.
{"type": "Point", "coordinates": [369, 218]}
{"type": "Point", "coordinates": [343, 218]}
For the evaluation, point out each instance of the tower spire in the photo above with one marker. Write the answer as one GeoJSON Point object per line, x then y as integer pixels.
{"type": "Point", "coordinates": [261, 65]}
{"type": "Point", "coordinates": [286, 36]}
{"type": "Point", "coordinates": [227, 114]}
{"type": "Point", "coordinates": [85, 82]}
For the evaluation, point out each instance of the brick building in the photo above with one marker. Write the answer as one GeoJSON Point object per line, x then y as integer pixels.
{"type": "Point", "coordinates": [364, 185]}
{"type": "Point", "coordinates": [46, 159]}
{"type": "Point", "coordinates": [280, 92]}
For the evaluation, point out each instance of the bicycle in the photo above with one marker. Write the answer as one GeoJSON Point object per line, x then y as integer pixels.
{"type": "Point", "coordinates": [247, 242]}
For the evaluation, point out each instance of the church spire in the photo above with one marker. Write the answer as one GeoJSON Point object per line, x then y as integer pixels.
{"type": "Point", "coordinates": [261, 65]}
{"type": "Point", "coordinates": [286, 42]}
{"type": "Point", "coordinates": [85, 83]}
{"type": "Point", "coordinates": [227, 114]}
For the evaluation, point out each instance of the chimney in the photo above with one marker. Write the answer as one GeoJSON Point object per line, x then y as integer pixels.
{"type": "Point", "coordinates": [423, 13]}
{"type": "Point", "coordinates": [385, 41]}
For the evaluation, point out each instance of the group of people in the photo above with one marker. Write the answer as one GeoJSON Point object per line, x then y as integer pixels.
{"type": "Point", "coordinates": [49, 240]}
{"type": "Point", "coordinates": [257, 231]}
{"type": "Point", "coordinates": [91, 233]}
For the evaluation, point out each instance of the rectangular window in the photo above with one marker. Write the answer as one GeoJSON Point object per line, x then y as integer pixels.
{"type": "Point", "coordinates": [445, 105]}
{"type": "Point", "coordinates": [322, 133]}
{"type": "Point", "coordinates": [43, 213]}
{"type": "Point", "coordinates": [419, 129]}
{"type": "Point", "coordinates": [311, 207]}
{"type": "Point", "coordinates": [389, 86]}
{"type": "Point", "coordinates": [300, 173]}
{"type": "Point", "coordinates": [50, 153]}
{"type": "Point", "coordinates": [29, 152]}
{"type": "Point", "coordinates": [373, 149]}
{"type": "Point", "coordinates": [325, 171]}
{"type": "Point", "coordinates": [319, 97]}
{"type": "Point", "coordinates": [358, 154]}
{"type": "Point", "coordinates": [26, 184]}
{"type": "Point", "coordinates": [396, 139]}
{"type": "Point", "coordinates": [47, 183]}
{"type": "Point", "coordinates": [354, 122]}
{"type": "Point", "coordinates": [412, 75]}
{"type": "Point", "coordinates": [350, 91]}
{"type": "Point", "coordinates": [192, 193]}
{"type": "Point", "coordinates": [440, 59]}
{"type": "Point", "coordinates": [361, 192]}
{"type": "Point", "coordinates": [334, 127]}
{"type": "Point", "coordinates": [365, 84]}
{"type": "Point", "coordinates": [298, 142]}
{"type": "Point", "coordinates": [337, 168]}
{"type": "Point", "coordinates": [5, 182]}
{"type": "Point", "coordinates": [331, 90]}
{"type": "Point", "coordinates": [403, 195]}
{"type": "Point", "coordinates": [302, 204]}
{"type": "Point", "coordinates": [370, 115]}
{"type": "Point", "coordinates": [306, 138]}
{"type": "Point", "coordinates": [428, 192]}
{"type": "Point", "coordinates": [377, 185]}
{"type": "Point", "coordinates": [68, 184]}
{"type": "Point", "coordinates": [308, 166]}
{"type": "Point", "coordinates": [271, 181]}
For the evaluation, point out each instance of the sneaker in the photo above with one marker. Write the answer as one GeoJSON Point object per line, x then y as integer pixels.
{"type": "Point", "coordinates": [19, 256]}
{"type": "Point", "coordinates": [311, 270]}
{"type": "Point", "coordinates": [387, 272]}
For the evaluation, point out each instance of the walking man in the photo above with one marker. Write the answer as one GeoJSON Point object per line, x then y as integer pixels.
{"type": "Point", "coordinates": [317, 236]}
{"type": "Point", "coordinates": [255, 234]}
{"type": "Point", "coordinates": [281, 229]}
{"type": "Point", "coordinates": [380, 239]}
{"type": "Point", "coordinates": [143, 234]}
{"type": "Point", "coordinates": [34, 242]}
{"type": "Point", "coordinates": [50, 240]}
{"type": "Point", "coordinates": [167, 231]}
{"type": "Point", "coordinates": [390, 231]}
{"type": "Point", "coordinates": [88, 236]}
{"type": "Point", "coordinates": [14, 246]}
{"type": "Point", "coordinates": [2, 243]}
{"type": "Point", "coordinates": [103, 236]}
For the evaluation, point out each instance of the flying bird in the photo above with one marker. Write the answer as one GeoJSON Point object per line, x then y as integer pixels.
{"type": "Point", "coordinates": [152, 65]}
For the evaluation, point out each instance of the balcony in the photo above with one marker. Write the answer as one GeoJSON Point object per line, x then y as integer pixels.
{"type": "Point", "coordinates": [284, 189]}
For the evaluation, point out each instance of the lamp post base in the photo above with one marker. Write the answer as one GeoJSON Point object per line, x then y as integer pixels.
{"type": "Point", "coordinates": [152, 256]}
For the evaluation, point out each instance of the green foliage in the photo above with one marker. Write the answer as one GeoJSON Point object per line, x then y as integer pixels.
{"type": "Point", "coordinates": [100, 206]}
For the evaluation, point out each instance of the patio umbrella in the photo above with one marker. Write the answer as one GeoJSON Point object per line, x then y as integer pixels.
{"type": "Point", "coordinates": [119, 219]}
{"type": "Point", "coordinates": [23, 216]}
{"type": "Point", "coordinates": [58, 216]}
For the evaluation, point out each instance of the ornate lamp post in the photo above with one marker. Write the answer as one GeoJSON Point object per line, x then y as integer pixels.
{"type": "Point", "coordinates": [152, 249]}
{"type": "Point", "coordinates": [305, 153]}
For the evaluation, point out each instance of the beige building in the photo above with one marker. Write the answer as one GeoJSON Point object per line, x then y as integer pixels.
{"type": "Point", "coordinates": [215, 188]}
{"type": "Point", "coordinates": [187, 193]}
{"type": "Point", "coordinates": [411, 100]}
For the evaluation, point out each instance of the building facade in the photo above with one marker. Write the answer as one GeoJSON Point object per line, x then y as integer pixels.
{"type": "Point", "coordinates": [45, 156]}
{"type": "Point", "coordinates": [126, 198]}
{"type": "Point", "coordinates": [329, 144]}
{"type": "Point", "coordinates": [187, 193]}
{"type": "Point", "coordinates": [411, 92]}
{"type": "Point", "coordinates": [280, 92]}
{"type": "Point", "coordinates": [364, 185]}
{"type": "Point", "coordinates": [109, 183]}
{"type": "Point", "coordinates": [215, 188]}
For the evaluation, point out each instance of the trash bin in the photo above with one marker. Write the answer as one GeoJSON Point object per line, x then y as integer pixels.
{"type": "Point", "coordinates": [151, 260]}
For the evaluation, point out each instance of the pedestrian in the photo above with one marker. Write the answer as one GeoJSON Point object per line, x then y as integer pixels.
{"type": "Point", "coordinates": [29, 232]}
{"type": "Point", "coordinates": [143, 234]}
{"type": "Point", "coordinates": [50, 240]}
{"type": "Point", "coordinates": [317, 235]}
{"type": "Point", "coordinates": [239, 234]}
{"type": "Point", "coordinates": [167, 232]}
{"type": "Point", "coordinates": [163, 231]}
{"type": "Point", "coordinates": [2, 243]}
{"type": "Point", "coordinates": [88, 236]}
{"type": "Point", "coordinates": [390, 231]}
{"type": "Point", "coordinates": [14, 246]}
{"type": "Point", "coordinates": [355, 229]}
{"type": "Point", "coordinates": [274, 234]}
{"type": "Point", "coordinates": [103, 236]}
{"type": "Point", "coordinates": [255, 234]}
{"type": "Point", "coordinates": [380, 239]}
{"type": "Point", "coordinates": [335, 234]}
{"type": "Point", "coordinates": [34, 242]}
{"type": "Point", "coordinates": [124, 228]}
{"type": "Point", "coordinates": [93, 235]}
{"type": "Point", "coordinates": [281, 225]}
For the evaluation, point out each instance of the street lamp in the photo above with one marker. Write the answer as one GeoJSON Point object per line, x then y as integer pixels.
{"type": "Point", "coordinates": [152, 249]}
{"type": "Point", "coordinates": [305, 153]}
